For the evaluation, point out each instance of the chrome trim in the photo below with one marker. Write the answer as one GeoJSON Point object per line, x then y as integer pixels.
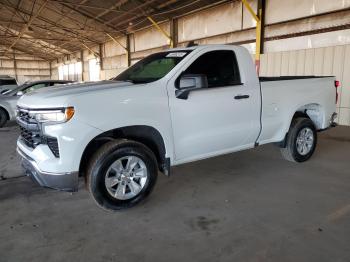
{"type": "Point", "coordinates": [41, 110]}
{"type": "Point", "coordinates": [21, 109]}
{"type": "Point", "coordinates": [61, 181]}
{"type": "Point", "coordinates": [45, 111]}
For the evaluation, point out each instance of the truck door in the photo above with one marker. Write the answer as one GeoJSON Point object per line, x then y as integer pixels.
{"type": "Point", "coordinates": [224, 117]}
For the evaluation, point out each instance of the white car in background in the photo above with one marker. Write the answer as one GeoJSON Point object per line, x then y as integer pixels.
{"type": "Point", "coordinates": [173, 107]}
{"type": "Point", "coordinates": [8, 100]}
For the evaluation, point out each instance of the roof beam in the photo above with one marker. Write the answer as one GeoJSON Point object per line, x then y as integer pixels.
{"type": "Point", "coordinates": [88, 15]}
{"type": "Point", "coordinates": [27, 25]}
{"type": "Point", "coordinates": [116, 5]}
{"type": "Point", "coordinates": [138, 8]}
{"type": "Point", "coordinates": [37, 42]}
{"type": "Point", "coordinates": [71, 11]}
{"type": "Point", "coordinates": [25, 52]}
{"type": "Point", "coordinates": [38, 38]}
{"type": "Point", "coordinates": [73, 34]}
{"type": "Point", "coordinates": [92, 51]}
{"type": "Point", "coordinates": [106, 10]}
{"type": "Point", "coordinates": [115, 40]}
{"type": "Point", "coordinates": [14, 14]}
{"type": "Point", "coordinates": [50, 27]}
{"type": "Point", "coordinates": [161, 30]}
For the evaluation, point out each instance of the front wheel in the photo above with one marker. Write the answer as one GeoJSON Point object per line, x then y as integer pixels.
{"type": "Point", "coordinates": [121, 174]}
{"type": "Point", "coordinates": [301, 140]}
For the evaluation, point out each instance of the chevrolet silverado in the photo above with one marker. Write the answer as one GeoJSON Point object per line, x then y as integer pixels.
{"type": "Point", "coordinates": [170, 108]}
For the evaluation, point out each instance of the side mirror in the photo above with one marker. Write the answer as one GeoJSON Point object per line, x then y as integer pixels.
{"type": "Point", "coordinates": [189, 83]}
{"type": "Point", "coordinates": [20, 93]}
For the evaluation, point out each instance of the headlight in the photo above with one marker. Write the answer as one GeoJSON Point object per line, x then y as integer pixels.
{"type": "Point", "coordinates": [53, 116]}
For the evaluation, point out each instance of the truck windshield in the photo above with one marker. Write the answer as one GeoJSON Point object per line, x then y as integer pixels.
{"type": "Point", "coordinates": [153, 67]}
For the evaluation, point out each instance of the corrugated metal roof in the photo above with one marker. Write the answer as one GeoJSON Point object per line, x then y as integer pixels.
{"type": "Point", "coordinates": [50, 29]}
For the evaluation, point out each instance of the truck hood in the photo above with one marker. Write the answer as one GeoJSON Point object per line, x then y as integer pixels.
{"type": "Point", "coordinates": [57, 96]}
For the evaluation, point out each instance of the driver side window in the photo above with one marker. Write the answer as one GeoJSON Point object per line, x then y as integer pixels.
{"type": "Point", "coordinates": [220, 68]}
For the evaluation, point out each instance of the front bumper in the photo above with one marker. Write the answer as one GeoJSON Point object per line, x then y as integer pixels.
{"type": "Point", "coordinates": [59, 181]}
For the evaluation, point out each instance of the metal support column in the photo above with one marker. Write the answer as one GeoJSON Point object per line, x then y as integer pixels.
{"type": "Point", "coordinates": [174, 31]}
{"type": "Point", "coordinates": [100, 46]}
{"type": "Point", "coordinates": [82, 64]}
{"type": "Point", "coordinates": [261, 6]}
{"type": "Point", "coordinates": [259, 37]}
{"type": "Point", "coordinates": [15, 65]}
{"type": "Point", "coordinates": [50, 63]}
{"type": "Point", "coordinates": [128, 49]}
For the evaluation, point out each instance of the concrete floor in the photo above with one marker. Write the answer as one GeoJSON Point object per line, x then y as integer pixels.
{"type": "Point", "coordinates": [248, 206]}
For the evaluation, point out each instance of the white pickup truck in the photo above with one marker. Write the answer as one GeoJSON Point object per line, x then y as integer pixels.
{"type": "Point", "coordinates": [172, 107]}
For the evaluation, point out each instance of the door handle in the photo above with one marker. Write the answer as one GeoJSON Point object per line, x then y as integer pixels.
{"type": "Point", "coordinates": [242, 97]}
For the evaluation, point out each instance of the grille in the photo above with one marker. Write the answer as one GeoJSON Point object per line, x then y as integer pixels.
{"type": "Point", "coordinates": [24, 115]}
{"type": "Point", "coordinates": [31, 134]}
{"type": "Point", "coordinates": [31, 139]}
{"type": "Point", "coordinates": [30, 131]}
{"type": "Point", "coordinates": [53, 145]}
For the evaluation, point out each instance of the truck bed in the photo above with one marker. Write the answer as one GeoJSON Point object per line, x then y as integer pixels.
{"type": "Point", "coordinates": [285, 95]}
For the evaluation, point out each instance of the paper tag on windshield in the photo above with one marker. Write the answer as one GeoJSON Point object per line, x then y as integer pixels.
{"type": "Point", "coordinates": [176, 54]}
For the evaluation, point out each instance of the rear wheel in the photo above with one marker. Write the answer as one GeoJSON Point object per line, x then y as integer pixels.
{"type": "Point", "coordinates": [301, 140]}
{"type": "Point", "coordinates": [122, 173]}
{"type": "Point", "coordinates": [3, 117]}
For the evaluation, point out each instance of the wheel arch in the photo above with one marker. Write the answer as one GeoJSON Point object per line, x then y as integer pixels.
{"type": "Point", "coordinates": [6, 112]}
{"type": "Point", "coordinates": [312, 111]}
{"type": "Point", "coordinates": [147, 135]}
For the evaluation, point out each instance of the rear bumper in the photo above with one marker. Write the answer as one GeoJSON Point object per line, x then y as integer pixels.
{"type": "Point", "coordinates": [332, 123]}
{"type": "Point", "coordinates": [59, 181]}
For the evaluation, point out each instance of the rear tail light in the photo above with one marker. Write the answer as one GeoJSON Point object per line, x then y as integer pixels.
{"type": "Point", "coordinates": [336, 84]}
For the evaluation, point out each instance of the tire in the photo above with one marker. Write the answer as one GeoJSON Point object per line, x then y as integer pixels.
{"type": "Point", "coordinates": [301, 140]}
{"type": "Point", "coordinates": [3, 117]}
{"type": "Point", "coordinates": [112, 184]}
